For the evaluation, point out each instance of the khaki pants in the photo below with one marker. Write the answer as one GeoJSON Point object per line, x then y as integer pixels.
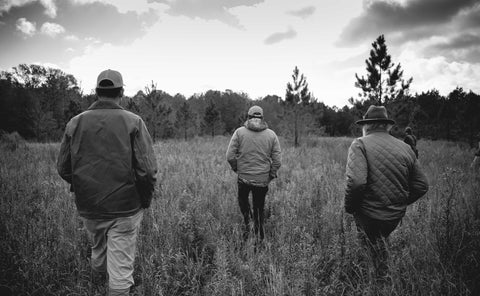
{"type": "Point", "coordinates": [113, 249]}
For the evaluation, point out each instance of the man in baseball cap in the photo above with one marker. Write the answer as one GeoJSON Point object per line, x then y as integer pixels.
{"type": "Point", "coordinates": [383, 177]}
{"type": "Point", "coordinates": [254, 154]}
{"type": "Point", "coordinates": [107, 156]}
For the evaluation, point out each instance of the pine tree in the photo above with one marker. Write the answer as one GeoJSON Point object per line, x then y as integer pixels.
{"type": "Point", "coordinates": [155, 112]}
{"type": "Point", "coordinates": [384, 82]}
{"type": "Point", "coordinates": [297, 97]}
{"type": "Point", "coordinates": [211, 117]}
{"type": "Point", "coordinates": [184, 117]}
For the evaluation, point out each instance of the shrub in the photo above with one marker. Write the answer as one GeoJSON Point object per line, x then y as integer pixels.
{"type": "Point", "coordinates": [12, 141]}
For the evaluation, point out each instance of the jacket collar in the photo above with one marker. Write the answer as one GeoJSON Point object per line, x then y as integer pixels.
{"type": "Point", "coordinates": [104, 104]}
{"type": "Point", "coordinates": [256, 124]}
{"type": "Point", "coordinates": [377, 130]}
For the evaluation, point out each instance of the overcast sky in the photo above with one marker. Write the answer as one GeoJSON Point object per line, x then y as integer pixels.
{"type": "Point", "coordinates": [251, 46]}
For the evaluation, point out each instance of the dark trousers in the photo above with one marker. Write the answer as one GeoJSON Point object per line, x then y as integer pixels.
{"type": "Point", "coordinates": [374, 234]}
{"type": "Point", "coordinates": [258, 203]}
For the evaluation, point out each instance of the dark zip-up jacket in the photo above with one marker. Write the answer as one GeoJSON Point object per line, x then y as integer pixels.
{"type": "Point", "coordinates": [107, 156]}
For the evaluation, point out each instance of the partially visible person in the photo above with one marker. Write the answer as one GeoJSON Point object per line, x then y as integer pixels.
{"type": "Point", "coordinates": [254, 154]}
{"type": "Point", "coordinates": [107, 156]}
{"type": "Point", "coordinates": [383, 177]}
{"type": "Point", "coordinates": [411, 140]}
{"type": "Point", "coordinates": [476, 159]}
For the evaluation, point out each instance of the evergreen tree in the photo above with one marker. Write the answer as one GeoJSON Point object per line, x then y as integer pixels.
{"type": "Point", "coordinates": [156, 113]}
{"type": "Point", "coordinates": [384, 82]}
{"type": "Point", "coordinates": [184, 118]}
{"type": "Point", "coordinates": [211, 117]}
{"type": "Point", "coordinates": [297, 98]}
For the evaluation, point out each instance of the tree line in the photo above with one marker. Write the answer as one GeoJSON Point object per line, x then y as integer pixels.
{"type": "Point", "coordinates": [38, 101]}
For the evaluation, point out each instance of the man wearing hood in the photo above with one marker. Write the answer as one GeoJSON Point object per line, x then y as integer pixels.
{"type": "Point", "coordinates": [254, 154]}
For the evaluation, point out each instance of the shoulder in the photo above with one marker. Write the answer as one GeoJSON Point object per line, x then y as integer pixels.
{"type": "Point", "coordinates": [80, 115]}
{"type": "Point", "coordinates": [73, 122]}
{"type": "Point", "coordinates": [404, 148]}
{"type": "Point", "coordinates": [270, 132]}
{"type": "Point", "coordinates": [401, 143]}
{"type": "Point", "coordinates": [240, 130]}
{"type": "Point", "coordinates": [132, 118]}
{"type": "Point", "coordinates": [357, 144]}
{"type": "Point", "coordinates": [130, 114]}
{"type": "Point", "coordinates": [359, 141]}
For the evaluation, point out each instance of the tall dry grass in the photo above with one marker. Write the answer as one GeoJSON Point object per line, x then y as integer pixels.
{"type": "Point", "coordinates": [190, 241]}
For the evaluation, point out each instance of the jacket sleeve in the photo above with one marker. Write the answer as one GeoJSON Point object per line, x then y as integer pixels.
{"type": "Point", "coordinates": [418, 184]}
{"type": "Point", "coordinates": [64, 160]}
{"type": "Point", "coordinates": [356, 176]}
{"type": "Point", "coordinates": [144, 164]}
{"type": "Point", "coordinates": [409, 140]}
{"type": "Point", "coordinates": [232, 151]}
{"type": "Point", "coordinates": [276, 156]}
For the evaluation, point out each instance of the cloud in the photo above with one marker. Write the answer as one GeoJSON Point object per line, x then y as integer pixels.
{"type": "Point", "coordinates": [207, 10]}
{"type": "Point", "coordinates": [6, 5]}
{"type": "Point", "coordinates": [303, 12]}
{"type": "Point", "coordinates": [50, 9]}
{"type": "Point", "coordinates": [26, 27]}
{"type": "Point", "coordinates": [71, 38]}
{"type": "Point", "coordinates": [464, 47]}
{"type": "Point", "coordinates": [403, 19]}
{"type": "Point", "coordinates": [103, 21]}
{"type": "Point", "coordinates": [92, 19]}
{"type": "Point", "coordinates": [52, 29]}
{"type": "Point", "coordinates": [280, 36]}
{"type": "Point", "coordinates": [439, 73]}
{"type": "Point", "coordinates": [460, 41]}
{"type": "Point", "coordinates": [79, 22]}
{"type": "Point", "coordinates": [437, 27]}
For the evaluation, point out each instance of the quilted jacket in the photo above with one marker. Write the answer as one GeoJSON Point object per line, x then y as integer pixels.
{"type": "Point", "coordinates": [382, 177]}
{"type": "Point", "coordinates": [108, 158]}
{"type": "Point", "coordinates": [254, 153]}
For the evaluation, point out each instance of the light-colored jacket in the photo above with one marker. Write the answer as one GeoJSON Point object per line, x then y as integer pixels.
{"type": "Point", "coordinates": [107, 157]}
{"type": "Point", "coordinates": [382, 177]}
{"type": "Point", "coordinates": [254, 152]}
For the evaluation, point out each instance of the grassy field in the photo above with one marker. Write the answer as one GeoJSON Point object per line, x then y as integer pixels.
{"type": "Point", "coordinates": [190, 241]}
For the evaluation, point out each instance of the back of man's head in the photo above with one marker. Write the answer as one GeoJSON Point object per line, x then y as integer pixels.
{"type": "Point", "coordinates": [255, 112]}
{"type": "Point", "coordinates": [109, 84]}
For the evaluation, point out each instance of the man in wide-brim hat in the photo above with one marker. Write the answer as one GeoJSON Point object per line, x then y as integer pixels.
{"type": "Point", "coordinates": [382, 178]}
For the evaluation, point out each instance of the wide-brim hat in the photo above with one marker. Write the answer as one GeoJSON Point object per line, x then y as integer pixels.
{"type": "Point", "coordinates": [376, 114]}
{"type": "Point", "coordinates": [110, 75]}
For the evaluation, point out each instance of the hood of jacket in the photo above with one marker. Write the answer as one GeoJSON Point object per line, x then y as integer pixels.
{"type": "Point", "coordinates": [256, 124]}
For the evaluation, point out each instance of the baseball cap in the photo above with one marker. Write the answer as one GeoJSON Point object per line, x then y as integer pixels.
{"type": "Point", "coordinates": [255, 111]}
{"type": "Point", "coordinates": [110, 75]}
